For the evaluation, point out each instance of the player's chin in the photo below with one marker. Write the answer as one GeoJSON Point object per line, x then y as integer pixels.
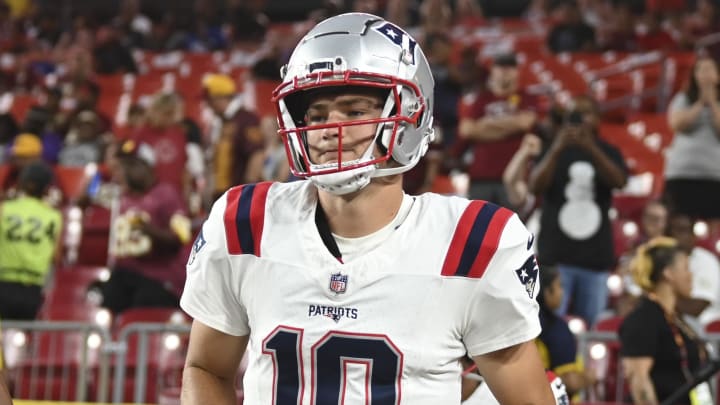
{"type": "Point", "coordinates": [334, 157]}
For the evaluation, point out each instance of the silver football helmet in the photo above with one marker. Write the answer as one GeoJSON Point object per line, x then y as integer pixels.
{"type": "Point", "coordinates": [358, 50]}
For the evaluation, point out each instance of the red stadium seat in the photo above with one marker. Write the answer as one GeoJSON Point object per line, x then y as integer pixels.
{"type": "Point", "coordinates": [93, 249]}
{"type": "Point", "coordinates": [71, 181]}
{"type": "Point", "coordinates": [154, 315]}
{"type": "Point", "coordinates": [69, 286]}
{"type": "Point", "coordinates": [263, 94]}
{"type": "Point", "coordinates": [21, 105]}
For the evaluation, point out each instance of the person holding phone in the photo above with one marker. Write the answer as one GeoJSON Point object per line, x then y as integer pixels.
{"type": "Point", "coordinates": [575, 177]}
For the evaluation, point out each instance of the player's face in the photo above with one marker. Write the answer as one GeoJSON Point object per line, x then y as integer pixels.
{"type": "Point", "coordinates": [324, 144]}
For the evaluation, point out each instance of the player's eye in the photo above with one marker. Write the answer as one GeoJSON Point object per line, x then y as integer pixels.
{"type": "Point", "coordinates": [314, 119]}
{"type": "Point", "coordinates": [356, 113]}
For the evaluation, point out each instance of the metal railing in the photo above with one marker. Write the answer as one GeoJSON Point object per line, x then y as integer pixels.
{"type": "Point", "coordinates": [50, 352]}
{"type": "Point", "coordinates": [144, 332]}
{"type": "Point", "coordinates": [132, 367]}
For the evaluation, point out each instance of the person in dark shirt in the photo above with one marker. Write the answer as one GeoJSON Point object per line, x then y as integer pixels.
{"type": "Point", "coordinates": [575, 177]}
{"type": "Point", "coordinates": [659, 350]}
{"type": "Point", "coordinates": [570, 33]}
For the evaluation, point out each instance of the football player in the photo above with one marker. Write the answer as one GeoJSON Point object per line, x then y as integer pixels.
{"type": "Point", "coordinates": [341, 288]}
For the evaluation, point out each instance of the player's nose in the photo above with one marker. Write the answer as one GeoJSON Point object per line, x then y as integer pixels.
{"type": "Point", "coordinates": [334, 117]}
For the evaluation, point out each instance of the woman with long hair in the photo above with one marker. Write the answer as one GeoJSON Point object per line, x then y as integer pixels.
{"type": "Point", "coordinates": [692, 167]}
{"type": "Point", "coordinates": [659, 351]}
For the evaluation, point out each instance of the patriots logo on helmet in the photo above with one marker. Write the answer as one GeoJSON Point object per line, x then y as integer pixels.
{"type": "Point", "coordinates": [399, 38]}
{"type": "Point", "coordinates": [528, 275]}
{"type": "Point", "coordinates": [197, 246]}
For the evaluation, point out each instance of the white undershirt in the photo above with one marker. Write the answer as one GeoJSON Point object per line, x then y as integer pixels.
{"type": "Point", "coordinates": [351, 248]}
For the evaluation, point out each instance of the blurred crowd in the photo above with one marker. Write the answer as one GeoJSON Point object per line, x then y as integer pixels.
{"type": "Point", "coordinates": [158, 168]}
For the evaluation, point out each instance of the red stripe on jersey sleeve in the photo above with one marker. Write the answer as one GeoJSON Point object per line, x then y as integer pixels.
{"type": "Point", "coordinates": [257, 213]}
{"type": "Point", "coordinates": [230, 219]}
{"type": "Point", "coordinates": [490, 243]}
{"type": "Point", "coordinates": [462, 232]}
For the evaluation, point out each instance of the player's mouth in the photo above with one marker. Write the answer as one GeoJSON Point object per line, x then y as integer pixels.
{"type": "Point", "coordinates": [332, 155]}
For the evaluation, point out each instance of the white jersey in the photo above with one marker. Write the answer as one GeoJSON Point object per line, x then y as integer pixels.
{"type": "Point", "coordinates": [389, 327]}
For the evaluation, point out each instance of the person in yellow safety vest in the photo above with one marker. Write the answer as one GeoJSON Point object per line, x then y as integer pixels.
{"type": "Point", "coordinates": [29, 243]}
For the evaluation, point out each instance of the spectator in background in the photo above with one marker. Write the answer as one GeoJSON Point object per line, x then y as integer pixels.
{"type": "Point", "coordinates": [20, 9]}
{"type": "Point", "coordinates": [110, 55]}
{"type": "Point", "coordinates": [703, 21]}
{"type": "Point", "coordinates": [51, 101]}
{"type": "Point", "coordinates": [659, 351]}
{"type": "Point", "coordinates": [516, 174]}
{"type": "Point", "coordinates": [29, 244]}
{"type": "Point", "coordinates": [83, 144]}
{"type": "Point", "coordinates": [47, 27]}
{"type": "Point", "coordinates": [653, 37]}
{"type": "Point", "coordinates": [570, 33]}
{"type": "Point", "coordinates": [38, 121]}
{"type": "Point", "coordinates": [136, 120]}
{"type": "Point", "coordinates": [235, 136]}
{"type": "Point", "coordinates": [85, 95]}
{"type": "Point", "coordinates": [274, 166]}
{"type": "Point", "coordinates": [150, 231]}
{"type": "Point", "coordinates": [703, 304]}
{"type": "Point", "coordinates": [26, 149]}
{"type": "Point", "coordinates": [621, 35]}
{"type": "Point", "coordinates": [195, 165]}
{"type": "Point", "coordinates": [132, 23]}
{"type": "Point", "coordinates": [575, 178]}
{"type": "Point", "coordinates": [653, 224]}
{"type": "Point", "coordinates": [449, 81]}
{"type": "Point", "coordinates": [692, 165]}
{"type": "Point", "coordinates": [556, 343]}
{"type": "Point", "coordinates": [165, 134]}
{"type": "Point", "coordinates": [8, 130]}
{"type": "Point", "coordinates": [492, 124]}
{"type": "Point", "coordinates": [654, 221]}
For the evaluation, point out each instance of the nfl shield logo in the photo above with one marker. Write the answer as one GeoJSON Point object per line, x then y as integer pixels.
{"type": "Point", "coordinates": [338, 283]}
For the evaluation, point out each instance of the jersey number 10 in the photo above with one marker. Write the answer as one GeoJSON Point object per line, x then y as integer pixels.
{"type": "Point", "coordinates": [331, 355]}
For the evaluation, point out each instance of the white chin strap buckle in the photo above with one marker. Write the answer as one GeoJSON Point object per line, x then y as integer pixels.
{"type": "Point", "coordinates": [344, 182]}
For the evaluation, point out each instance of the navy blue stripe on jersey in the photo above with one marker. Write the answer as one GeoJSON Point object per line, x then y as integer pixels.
{"type": "Point", "coordinates": [475, 239]}
{"type": "Point", "coordinates": [242, 219]}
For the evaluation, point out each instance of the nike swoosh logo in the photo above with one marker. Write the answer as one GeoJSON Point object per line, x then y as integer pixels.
{"type": "Point", "coordinates": [531, 239]}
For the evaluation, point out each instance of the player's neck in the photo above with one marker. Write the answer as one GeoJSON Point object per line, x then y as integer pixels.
{"type": "Point", "coordinates": [364, 212]}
